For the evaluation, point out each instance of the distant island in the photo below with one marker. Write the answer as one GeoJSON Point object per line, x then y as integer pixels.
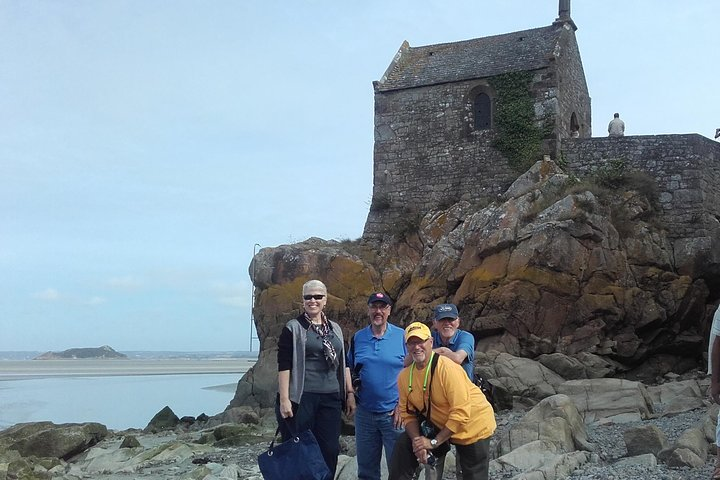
{"type": "Point", "coordinates": [75, 353]}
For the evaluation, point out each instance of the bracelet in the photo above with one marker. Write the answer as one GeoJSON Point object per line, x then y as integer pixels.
{"type": "Point", "coordinates": [350, 392]}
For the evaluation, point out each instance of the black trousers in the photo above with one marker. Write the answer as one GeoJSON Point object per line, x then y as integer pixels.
{"type": "Point", "coordinates": [321, 413]}
{"type": "Point", "coordinates": [474, 459]}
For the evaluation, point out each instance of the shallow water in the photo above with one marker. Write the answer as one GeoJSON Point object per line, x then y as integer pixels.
{"type": "Point", "coordinates": [118, 402]}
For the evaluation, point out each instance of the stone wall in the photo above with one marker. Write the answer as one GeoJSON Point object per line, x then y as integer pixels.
{"type": "Point", "coordinates": [687, 170]}
{"type": "Point", "coordinates": [421, 165]}
{"type": "Point", "coordinates": [686, 167]}
{"type": "Point", "coordinates": [428, 154]}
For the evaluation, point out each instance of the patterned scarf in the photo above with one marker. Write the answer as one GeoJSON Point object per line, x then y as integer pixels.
{"type": "Point", "coordinates": [324, 331]}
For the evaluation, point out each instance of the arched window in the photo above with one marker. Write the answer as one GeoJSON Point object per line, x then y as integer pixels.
{"type": "Point", "coordinates": [574, 126]}
{"type": "Point", "coordinates": [482, 111]}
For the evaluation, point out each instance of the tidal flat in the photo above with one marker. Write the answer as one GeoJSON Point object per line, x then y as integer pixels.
{"type": "Point", "coordinates": [29, 369]}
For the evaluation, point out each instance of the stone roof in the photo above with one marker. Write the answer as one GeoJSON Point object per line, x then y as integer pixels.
{"type": "Point", "coordinates": [468, 59]}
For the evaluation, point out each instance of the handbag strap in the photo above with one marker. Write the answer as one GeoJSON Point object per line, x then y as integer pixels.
{"type": "Point", "coordinates": [293, 433]}
{"type": "Point", "coordinates": [290, 424]}
{"type": "Point", "coordinates": [272, 442]}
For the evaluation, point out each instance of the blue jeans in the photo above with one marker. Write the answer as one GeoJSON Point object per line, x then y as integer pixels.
{"type": "Point", "coordinates": [373, 431]}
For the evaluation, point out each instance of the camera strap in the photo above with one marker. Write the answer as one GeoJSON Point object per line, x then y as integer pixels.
{"type": "Point", "coordinates": [427, 381]}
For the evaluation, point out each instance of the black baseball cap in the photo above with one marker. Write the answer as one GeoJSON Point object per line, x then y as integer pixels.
{"type": "Point", "coordinates": [379, 297]}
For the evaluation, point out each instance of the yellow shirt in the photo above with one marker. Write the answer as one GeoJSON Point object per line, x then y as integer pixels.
{"type": "Point", "coordinates": [457, 403]}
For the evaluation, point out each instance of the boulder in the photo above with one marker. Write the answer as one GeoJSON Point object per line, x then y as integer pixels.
{"type": "Point", "coordinates": [597, 366]}
{"type": "Point", "coordinates": [528, 456]}
{"type": "Point", "coordinates": [607, 398]}
{"type": "Point", "coordinates": [567, 367]}
{"type": "Point", "coordinates": [644, 460]}
{"type": "Point", "coordinates": [46, 439]}
{"type": "Point", "coordinates": [681, 457]}
{"type": "Point", "coordinates": [709, 423]}
{"type": "Point", "coordinates": [693, 439]}
{"type": "Point", "coordinates": [132, 460]}
{"type": "Point", "coordinates": [677, 393]}
{"type": "Point", "coordinates": [682, 404]}
{"type": "Point", "coordinates": [554, 420]}
{"type": "Point", "coordinates": [26, 469]}
{"type": "Point", "coordinates": [130, 441]}
{"type": "Point", "coordinates": [258, 386]}
{"type": "Point", "coordinates": [644, 439]}
{"type": "Point", "coordinates": [556, 467]}
{"type": "Point", "coordinates": [523, 378]}
{"type": "Point", "coordinates": [240, 415]}
{"type": "Point", "coordinates": [187, 420]}
{"type": "Point", "coordinates": [163, 420]}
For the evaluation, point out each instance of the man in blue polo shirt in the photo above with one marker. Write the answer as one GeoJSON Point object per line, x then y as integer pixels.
{"type": "Point", "coordinates": [448, 340]}
{"type": "Point", "coordinates": [458, 345]}
{"type": "Point", "coordinates": [376, 357]}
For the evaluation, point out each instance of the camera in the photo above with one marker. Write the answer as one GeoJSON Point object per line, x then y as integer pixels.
{"type": "Point", "coordinates": [355, 377]}
{"type": "Point", "coordinates": [427, 429]}
{"type": "Point", "coordinates": [431, 460]}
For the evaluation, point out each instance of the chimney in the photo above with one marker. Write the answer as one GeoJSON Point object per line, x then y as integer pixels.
{"type": "Point", "coordinates": [564, 10]}
{"type": "Point", "coordinates": [564, 14]}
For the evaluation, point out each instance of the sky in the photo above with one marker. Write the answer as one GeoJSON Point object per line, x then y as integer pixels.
{"type": "Point", "coordinates": [149, 147]}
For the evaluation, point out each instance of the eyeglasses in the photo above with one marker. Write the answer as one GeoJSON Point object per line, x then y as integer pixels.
{"type": "Point", "coordinates": [381, 306]}
{"type": "Point", "coordinates": [313, 297]}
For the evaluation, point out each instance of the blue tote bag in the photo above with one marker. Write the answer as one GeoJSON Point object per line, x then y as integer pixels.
{"type": "Point", "coordinates": [298, 458]}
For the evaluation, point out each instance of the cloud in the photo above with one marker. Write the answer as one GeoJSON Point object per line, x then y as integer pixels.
{"type": "Point", "coordinates": [53, 295]}
{"type": "Point", "coordinates": [127, 282]}
{"type": "Point", "coordinates": [95, 301]}
{"type": "Point", "coordinates": [48, 295]}
{"type": "Point", "coordinates": [232, 294]}
{"type": "Point", "coordinates": [238, 301]}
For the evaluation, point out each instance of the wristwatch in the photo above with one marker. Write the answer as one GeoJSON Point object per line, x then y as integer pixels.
{"type": "Point", "coordinates": [433, 442]}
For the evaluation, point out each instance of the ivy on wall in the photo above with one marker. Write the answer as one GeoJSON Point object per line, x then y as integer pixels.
{"type": "Point", "coordinates": [519, 138]}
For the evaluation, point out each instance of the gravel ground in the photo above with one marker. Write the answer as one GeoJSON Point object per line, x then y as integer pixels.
{"type": "Point", "coordinates": [608, 440]}
{"type": "Point", "coordinates": [610, 447]}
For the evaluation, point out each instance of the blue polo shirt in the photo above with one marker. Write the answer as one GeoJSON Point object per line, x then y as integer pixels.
{"type": "Point", "coordinates": [382, 359]}
{"type": "Point", "coordinates": [462, 340]}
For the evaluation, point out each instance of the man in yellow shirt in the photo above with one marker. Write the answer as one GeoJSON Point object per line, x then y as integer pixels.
{"type": "Point", "coordinates": [439, 405]}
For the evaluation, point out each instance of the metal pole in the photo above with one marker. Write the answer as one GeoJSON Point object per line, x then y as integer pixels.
{"type": "Point", "coordinates": [252, 298]}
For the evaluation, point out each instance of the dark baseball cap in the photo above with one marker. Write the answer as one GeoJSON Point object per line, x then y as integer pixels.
{"type": "Point", "coordinates": [379, 297]}
{"type": "Point", "coordinates": [446, 310]}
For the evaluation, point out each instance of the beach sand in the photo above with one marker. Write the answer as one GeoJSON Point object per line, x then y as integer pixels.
{"type": "Point", "coordinates": [24, 369]}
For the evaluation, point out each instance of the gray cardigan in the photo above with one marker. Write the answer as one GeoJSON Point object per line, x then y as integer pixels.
{"type": "Point", "coordinates": [297, 374]}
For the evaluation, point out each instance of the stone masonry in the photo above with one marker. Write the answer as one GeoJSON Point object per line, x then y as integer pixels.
{"type": "Point", "coordinates": [687, 171]}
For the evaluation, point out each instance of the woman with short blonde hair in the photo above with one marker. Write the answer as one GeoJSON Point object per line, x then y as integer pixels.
{"type": "Point", "coordinates": [313, 383]}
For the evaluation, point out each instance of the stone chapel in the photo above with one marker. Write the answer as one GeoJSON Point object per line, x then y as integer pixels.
{"type": "Point", "coordinates": [443, 111]}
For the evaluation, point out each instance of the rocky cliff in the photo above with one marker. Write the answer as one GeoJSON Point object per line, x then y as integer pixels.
{"type": "Point", "coordinates": [554, 265]}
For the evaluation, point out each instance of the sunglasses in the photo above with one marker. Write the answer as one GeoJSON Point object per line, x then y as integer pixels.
{"type": "Point", "coordinates": [313, 297]}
